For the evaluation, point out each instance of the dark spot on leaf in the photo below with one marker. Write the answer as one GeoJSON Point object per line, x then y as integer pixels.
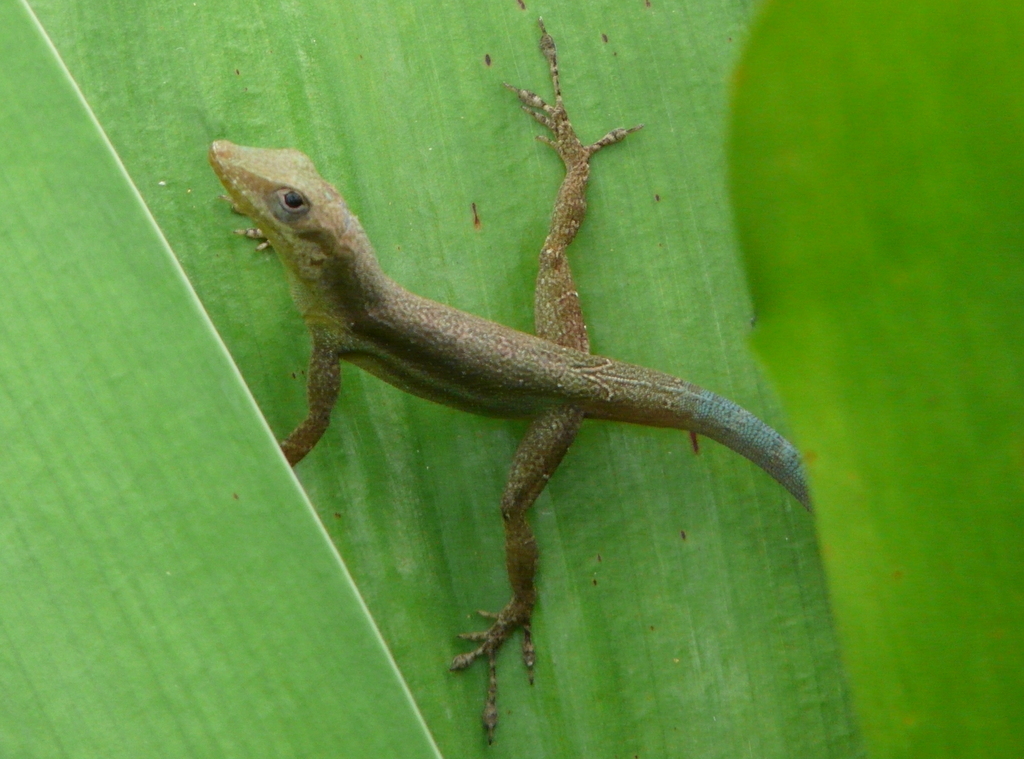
{"type": "Point", "coordinates": [605, 38]}
{"type": "Point", "coordinates": [682, 534]}
{"type": "Point", "coordinates": [694, 443]}
{"type": "Point", "coordinates": [476, 217]}
{"type": "Point", "coordinates": [235, 496]}
{"type": "Point", "coordinates": [487, 59]}
{"type": "Point", "coordinates": [657, 198]}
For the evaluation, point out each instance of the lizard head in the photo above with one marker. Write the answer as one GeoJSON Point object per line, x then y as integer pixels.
{"type": "Point", "coordinates": [302, 216]}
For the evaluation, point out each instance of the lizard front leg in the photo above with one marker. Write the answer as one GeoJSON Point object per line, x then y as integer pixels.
{"type": "Point", "coordinates": [323, 380]}
{"type": "Point", "coordinates": [322, 386]}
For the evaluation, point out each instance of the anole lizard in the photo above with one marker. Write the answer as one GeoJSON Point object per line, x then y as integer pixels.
{"type": "Point", "coordinates": [356, 313]}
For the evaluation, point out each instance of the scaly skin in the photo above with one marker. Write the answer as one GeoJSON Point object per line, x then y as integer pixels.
{"type": "Point", "coordinates": [356, 313]}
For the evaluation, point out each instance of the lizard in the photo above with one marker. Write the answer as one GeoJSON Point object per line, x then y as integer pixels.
{"type": "Point", "coordinates": [356, 313]}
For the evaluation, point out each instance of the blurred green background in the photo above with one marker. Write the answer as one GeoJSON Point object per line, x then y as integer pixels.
{"type": "Point", "coordinates": [878, 169]}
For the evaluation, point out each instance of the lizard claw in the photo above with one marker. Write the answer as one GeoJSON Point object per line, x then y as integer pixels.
{"type": "Point", "coordinates": [527, 98]}
{"type": "Point", "coordinates": [529, 653]}
{"type": "Point", "coordinates": [252, 233]}
{"type": "Point", "coordinates": [231, 201]}
{"type": "Point", "coordinates": [255, 234]}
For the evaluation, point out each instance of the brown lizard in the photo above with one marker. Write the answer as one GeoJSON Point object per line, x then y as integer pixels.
{"type": "Point", "coordinates": [356, 313]}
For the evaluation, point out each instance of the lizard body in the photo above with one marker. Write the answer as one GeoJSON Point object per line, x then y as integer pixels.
{"type": "Point", "coordinates": [452, 357]}
{"type": "Point", "coordinates": [354, 312]}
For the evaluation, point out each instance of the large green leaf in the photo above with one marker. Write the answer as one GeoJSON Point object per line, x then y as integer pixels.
{"type": "Point", "coordinates": [650, 643]}
{"type": "Point", "coordinates": [164, 585]}
{"type": "Point", "coordinates": [879, 177]}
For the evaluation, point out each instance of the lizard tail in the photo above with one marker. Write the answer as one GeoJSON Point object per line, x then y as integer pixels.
{"type": "Point", "coordinates": [638, 395]}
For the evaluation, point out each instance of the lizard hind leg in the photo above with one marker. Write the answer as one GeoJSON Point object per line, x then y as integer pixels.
{"type": "Point", "coordinates": [559, 318]}
{"type": "Point", "coordinates": [557, 313]}
{"type": "Point", "coordinates": [538, 455]}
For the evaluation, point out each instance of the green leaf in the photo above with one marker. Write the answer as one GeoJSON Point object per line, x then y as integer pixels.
{"type": "Point", "coordinates": [166, 589]}
{"type": "Point", "coordinates": [649, 644]}
{"type": "Point", "coordinates": [878, 167]}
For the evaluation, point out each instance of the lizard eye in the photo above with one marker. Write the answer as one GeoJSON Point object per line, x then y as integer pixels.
{"type": "Point", "coordinates": [290, 204]}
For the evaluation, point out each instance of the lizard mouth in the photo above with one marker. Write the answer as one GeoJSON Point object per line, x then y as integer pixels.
{"type": "Point", "coordinates": [230, 163]}
{"type": "Point", "coordinates": [222, 156]}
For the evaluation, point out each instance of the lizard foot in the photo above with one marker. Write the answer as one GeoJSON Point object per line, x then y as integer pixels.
{"type": "Point", "coordinates": [252, 232]}
{"type": "Point", "coordinates": [515, 615]}
{"type": "Point", "coordinates": [555, 118]}
{"type": "Point", "coordinates": [255, 234]}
